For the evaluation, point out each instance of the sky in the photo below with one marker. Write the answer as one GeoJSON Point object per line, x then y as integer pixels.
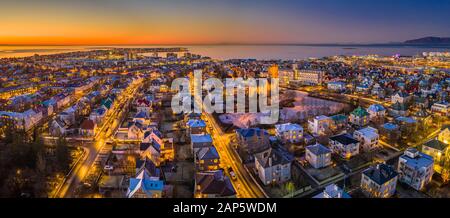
{"type": "Point", "coordinates": [111, 22]}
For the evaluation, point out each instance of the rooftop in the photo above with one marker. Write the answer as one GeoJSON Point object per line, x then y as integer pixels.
{"type": "Point", "coordinates": [344, 139]}
{"type": "Point", "coordinates": [318, 149]}
{"type": "Point", "coordinates": [380, 173]}
{"type": "Point", "coordinates": [436, 144]}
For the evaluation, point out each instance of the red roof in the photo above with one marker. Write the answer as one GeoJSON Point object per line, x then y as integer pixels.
{"type": "Point", "coordinates": [87, 124]}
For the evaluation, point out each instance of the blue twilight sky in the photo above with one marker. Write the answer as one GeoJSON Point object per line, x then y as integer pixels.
{"type": "Point", "coordinates": [225, 21]}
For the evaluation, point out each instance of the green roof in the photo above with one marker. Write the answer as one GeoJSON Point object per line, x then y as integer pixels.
{"type": "Point", "coordinates": [360, 112]}
{"type": "Point", "coordinates": [107, 103]}
{"type": "Point", "coordinates": [339, 117]}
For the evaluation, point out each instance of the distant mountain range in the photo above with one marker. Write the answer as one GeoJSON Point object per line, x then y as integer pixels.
{"type": "Point", "coordinates": [429, 40]}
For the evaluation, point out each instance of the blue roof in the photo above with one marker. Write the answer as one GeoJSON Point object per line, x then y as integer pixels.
{"type": "Point", "coordinates": [422, 160]}
{"type": "Point", "coordinates": [196, 123]}
{"type": "Point", "coordinates": [207, 153]}
{"type": "Point", "coordinates": [251, 132]}
{"type": "Point", "coordinates": [201, 138]}
{"type": "Point", "coordinates": [49, 102]}
{"type": "Point", "coordinates": [337, 83]}
{"type": "Point", "coordinates": [100, 111]}
{"type": "Point", "coordinates": [390, 126]}
{"type": "Point", "coordinates": [376, 108]}
{"type": "Point", "coordinates": [141, 114]}
{"type": "Point", "coordinates": [406, 119]}
{"type": "Point", "coordinates": [146, 185]}
{"type": "Point", "coordinates": [288, 127]}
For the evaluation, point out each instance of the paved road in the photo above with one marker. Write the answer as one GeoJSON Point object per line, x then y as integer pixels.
{"type": "Point", "coordinates": [245, 185]}
{"type": "Point", "coordinates": [112, 122]}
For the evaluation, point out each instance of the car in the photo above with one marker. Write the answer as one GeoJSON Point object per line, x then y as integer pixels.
{"type": "Point", "coordinates": [233, 175]}
{"type": "Point", "coordinates": [108, 167]}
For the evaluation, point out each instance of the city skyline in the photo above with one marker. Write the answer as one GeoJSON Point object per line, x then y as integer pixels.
{"type": "Point", "coordinates": [220, 22]}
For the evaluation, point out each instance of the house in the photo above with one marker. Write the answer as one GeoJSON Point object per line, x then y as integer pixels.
{"type": "Point", "coordinates": [359, 117]}
{"type": "Point", "coordinates": [87, 128]}
{"type": "Point", "coordinates": [213, 184]}
{"type": "Point", "coordinates": [207, 159]}
{"type": "Point", "coordinates": [289, 132]}
{"type": "Point", "coordinates": [143, 105]}
{"type": "Point", "coordinates": [399, 109]}
{"type": "Point", "coordinates": [273, 166]}
{"type": "Point", "coordinates": [368, 138]}
{"type": "Point", "coordinates": [415, 168]}
{"type": "Point", "coordinates": [444, 135]}
{"type": "Point", "coordinates": [442, 108]}
{"type": "Point", "coordinates": [200, 141]}
{"type": "Point", "coordinates": [151, 151]}
{"type": "Point", "coordinates": [195, 126]}
{"type": "Point", "coordinates": [192, 116]}
{"type": "Point", "coordinates": [135, 130]}
{"type": "Point", "coordinates": [407, 124]}
{"type": "Point", "coordinates": [97, 115]}
{"type": "Point", "coordinates": [421, 102]}
{"type": "Point", "coordinates": [363, 88]}
{"type": "Point", "coordinates": [147, 183]}
{"type": "Point", "coordinates": [318, 155]}
{"type": "Point", "coordinates": [58, 128]}
{"type": "Point", "coordinates": [107, 104]}
{"type": "Point", "coordinates": [252, 140]}
{"type": "Point", "coordinates": [50, 105]}
{"type": "Point", "coordinates": [336, 86]}
{"type": "Point", "coordinates": [68, 115]}
{"type": "Point", "coordinates": [376, 112]}
{"type": "Point", "coordinates": [378, 91]}
{"type": "Point", "coordinates": [379, 181]}
{"type": "Point", "coordinates": [320, 125]}
{"type": "Point", "coordinates": [340, 121]}
{"type": "Point", "coordinates": [332, 191]}
{"type": "Point", "coordinates": [344, 145]}
{"type": "Point", "coordinates": [142, 117]}
{"type": "Point", "coordinates": [438, 150]}
{"type": "Point", "coordinates": [401, 97]}
{"type": "Point", "coordinates": [390, 131]}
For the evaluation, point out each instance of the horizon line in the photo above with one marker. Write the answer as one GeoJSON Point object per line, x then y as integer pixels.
{"type": "Point", "coordinates": [225, 44]}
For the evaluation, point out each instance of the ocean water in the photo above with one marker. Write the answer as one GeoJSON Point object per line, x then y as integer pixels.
{"type": "Point", "coordinates": [265, 52]}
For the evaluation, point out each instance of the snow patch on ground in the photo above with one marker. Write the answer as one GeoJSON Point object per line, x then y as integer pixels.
{"type": "Point", "coordinates": [304, 107]}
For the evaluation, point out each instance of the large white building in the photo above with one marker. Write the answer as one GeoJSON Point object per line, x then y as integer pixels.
{"type": "Point", "coordinates": [318, 155]}
{"type": "Point", "coordinates": [376, 112]}
{"type": "Point", "coordinates": [285, 76]}
{"type": "Point", "coordinates": [344, 145]}
{"type": "Point", "coordinates": [289, 132]}
{"type": "Point", "coordinates": [367, 137]}
{"type": "Point", "coordinates": [415, 168]}
{"type": "Point", "coordinates": [379, 181]}
{"type": "Point", "coordinates": [320, 124]}
{"type": "Point", "coordinates": [273, 166]}
{"type": "Point", "coordinates": [310, 77]}
{"type": "Point", "coordinates": [441, 107]}
{"type": "Point", "coordinates": [336, 86]}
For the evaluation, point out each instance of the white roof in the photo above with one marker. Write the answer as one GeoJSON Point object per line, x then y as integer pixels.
{"type": "Point", "coordinates": [288, 127]}
{"type": "Point", "coordinates": [368, 132]}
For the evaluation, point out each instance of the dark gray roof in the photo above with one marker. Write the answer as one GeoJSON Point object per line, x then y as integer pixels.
{"type": "Point", "coordinates": [344, 139]}
{"type": "Point", "coordinates": [318, 149]}
{"type": "Point", "coordinates": [436, 144]}
{"type": "Point", "coordinates": [278, 157]}
{"type": "Point", "coordinates": [380, 173]}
